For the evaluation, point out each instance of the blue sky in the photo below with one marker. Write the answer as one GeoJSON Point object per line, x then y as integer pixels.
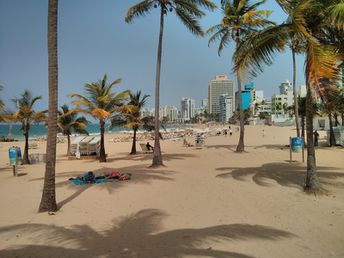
{"type": "Point", "coordinates": [94, 39]}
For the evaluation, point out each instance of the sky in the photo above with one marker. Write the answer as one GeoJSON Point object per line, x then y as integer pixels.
{"type": "Point", "coordinates": [94, 39]}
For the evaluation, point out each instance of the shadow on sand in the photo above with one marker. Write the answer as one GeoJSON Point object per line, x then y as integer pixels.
{"type": "Point", "coordinates": [137, 235]}
{"type": "Point", "coordinates": [285, 174]}
{"type": "Point", "coordinates": [140, 174]}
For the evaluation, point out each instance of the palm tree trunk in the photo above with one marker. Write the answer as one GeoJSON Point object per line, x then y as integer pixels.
{"type": "Point", "coordinates": [303, 129]}
{"type": "Point", "coordinates": [332, 137]}
{"type": "Point", "coordinates": [133, 146]}
{"type": "Point", "coordinates": [311, 182]}
{"type": "Point", "coordinates": [48, 201]}
{"type": "Point", "coordinates": [342, 114]}
{"type": "Point", "coordinates": [296, 104]}
{"type": "Point", "coordinates": [241, 146]}
{"type": "Point", "coordinates": [68, 144]}
{"type": "Point", "coordinates": [335, 116]}
{"type": "Point", "coordinates": [157, 157]}
{"type": "Point", "coordinates": [26, 148]}
{"type": "Point", "coordinates": [102, 155]}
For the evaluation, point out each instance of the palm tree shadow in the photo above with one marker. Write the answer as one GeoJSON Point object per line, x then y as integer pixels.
{"type": "Point", "coordinates": [285, 174]}
{"type": "Point", "coordinates": [222, 146]}
{"type": "Point", "coordinates": [148, 157]}
{"type": "Point", "coordinates": [136, 235]}
{"type": "Point", "coordinates": [139, 174]}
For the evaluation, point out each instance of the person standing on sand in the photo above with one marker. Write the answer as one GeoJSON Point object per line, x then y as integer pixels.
{"type": "Point", "coordinates": [316, 138]}
{"type": "Point", "coordinates": [263, 133]}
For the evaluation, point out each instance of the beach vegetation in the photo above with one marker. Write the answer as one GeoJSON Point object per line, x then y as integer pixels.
{"type": "Point", "coordinates": [100, 103]}
{"type": "Point", "coordinates": [130, 115]}
{"type": "Point", "coordinates": [25, 114]}
{"type": "Point", "coordinates": [240, 18]}
{"type": "Point", "coordinates": [68, 122]}
{"type": "Point", "coordinates": [188, 11]}
{"type": "Point", "coordinates": [314, 23]}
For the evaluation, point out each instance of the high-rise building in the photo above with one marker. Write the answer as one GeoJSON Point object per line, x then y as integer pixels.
{"type": "Point", "coordinates": [258, 96]}
{"type": "Point", "coordinates": [170, 113]}
{"type": "Point", "coordinates": [226, 108]}
{"type": "Point", "coordinates": [204, 105]}
{"type": "Point", "coordinates": [187, 109]}
{"type": "Point", "coordinates": [285, 99]}
{"type": "Point", "coordinates": [217, 87]}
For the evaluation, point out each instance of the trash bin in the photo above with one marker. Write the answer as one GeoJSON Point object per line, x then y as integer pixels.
{"type": "Point", "coordinates": [296, 144]}
{"type": "Point", "coordinates": [15, 156]}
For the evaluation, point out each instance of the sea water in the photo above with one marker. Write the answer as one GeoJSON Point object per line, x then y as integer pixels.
{"type": "Point", "coordinates": [40, 130]}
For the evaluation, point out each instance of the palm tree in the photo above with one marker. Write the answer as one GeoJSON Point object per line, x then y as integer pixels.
{"type": "Point", "coordinates": [309, 20]}
{"type": "Point", "coordinates": [48, 201]}
{"type": "Point", "coordinates": [188, 12]}
{"type": "Point", "coordinates": [1, 103]}
{"type": "Point", "coordinates": [68, 121]}
{"type": "Point", "coordinates": [101, 104]}
{"type": "Point", "coordinates": [239, 19]}
{"type": "Point", "coordinates": [25, 115]}
{"type": "Point", "coordinates": [131, 115]}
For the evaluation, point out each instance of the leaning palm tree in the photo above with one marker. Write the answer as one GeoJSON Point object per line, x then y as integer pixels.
{"type": "Point", "coordinates": [26, 115]}
{"type": "Point", "coordinates": [309, 21]}
{"type": "Point", "coordinates": [130, 115]}
{"type": "Point", "coordinates": [188, 12]}
{"type": "Point", "coordinates": [239, 19]}
{"type": "Point", "coordinates": [101, 104]}
{"type": "Point", "coordinates": [69, 122]}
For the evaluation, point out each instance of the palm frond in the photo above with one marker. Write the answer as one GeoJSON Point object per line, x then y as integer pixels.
{"type": "Point", "coordinates": [337, 15]}
{"type": "Point", "coordinates": [139, 10]}
{"type": "Point", "coordinates": [190, 22]}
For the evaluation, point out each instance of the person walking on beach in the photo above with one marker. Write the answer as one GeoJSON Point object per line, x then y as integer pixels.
{"type": "Point", "coordinates": [316, 138]}
{"type": "Point", "coordinates": [149, 147]}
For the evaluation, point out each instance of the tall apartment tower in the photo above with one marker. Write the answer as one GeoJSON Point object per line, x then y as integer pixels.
{"type": "Point", "coordinates": [219, 86]}
{"type": "Point", "coordinates": [187, 109]}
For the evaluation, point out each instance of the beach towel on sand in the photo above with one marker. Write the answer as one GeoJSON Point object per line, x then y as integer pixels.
{"type": "Point", "coordinates": [90, 178]}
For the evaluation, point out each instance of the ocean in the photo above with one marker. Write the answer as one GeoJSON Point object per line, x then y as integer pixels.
{"type": "Point", "coordinates": [39, 130]}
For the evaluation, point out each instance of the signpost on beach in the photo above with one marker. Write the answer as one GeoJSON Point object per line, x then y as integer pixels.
{"type": "Point", "coordinates": [14, 154]}
{"type": "Point", "coordinates": [296, 144]}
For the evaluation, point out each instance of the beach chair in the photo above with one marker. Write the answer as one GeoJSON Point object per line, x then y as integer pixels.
{"type": "Point", "coordinates": [145, 149]}
{"type": "Point", "coordinates": [83, 145]}
{"type": "Point", "coordinates": [93, 146]}
{"type": "Point", "coordinates": [75, 144]}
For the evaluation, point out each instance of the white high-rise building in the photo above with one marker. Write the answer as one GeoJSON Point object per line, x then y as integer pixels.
{"type": "Point", "coordinates": [217, 87]}
{"type": "Point", "coordinates": [303, 91]}
{"type": "Point", "coordinates": [258, 96]}
{"type": "Point", "coordinates": [170, 113]}
{"type": "Point", "coordinates": [226, 108]}
{"type": "Point", "coordinates": [187, 109]}
{"type": "Point", "coordinates": [285, 99]}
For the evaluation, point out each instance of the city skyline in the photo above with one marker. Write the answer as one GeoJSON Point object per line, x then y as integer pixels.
{"type": "Point", "coordinates": [126, 51]}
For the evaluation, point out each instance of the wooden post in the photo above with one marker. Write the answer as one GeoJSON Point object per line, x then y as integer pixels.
{"type": "Point", "coordinates": [290, 149]}
{"type": "Point", "coordinates": [303, 150]}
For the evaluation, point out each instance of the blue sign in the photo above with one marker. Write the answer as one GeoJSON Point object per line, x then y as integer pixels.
{"type": "Point", "coordinates": [14, 154]}
{"type": "Point", "coordinates": [296, 144]}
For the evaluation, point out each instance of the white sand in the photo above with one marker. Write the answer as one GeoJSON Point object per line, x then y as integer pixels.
{"type": "Point", "coordinates": [209, 202]}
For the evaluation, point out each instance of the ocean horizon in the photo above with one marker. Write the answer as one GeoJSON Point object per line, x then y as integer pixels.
{"type": "Point", "coordinates": [40, 130]}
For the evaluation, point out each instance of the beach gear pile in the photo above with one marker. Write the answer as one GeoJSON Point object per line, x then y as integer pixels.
{"type": "Point", "coordinates": [91, 178]}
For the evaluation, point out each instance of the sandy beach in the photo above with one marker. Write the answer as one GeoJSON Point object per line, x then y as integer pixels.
{"type": "Point", "coordinates": [205, 202]}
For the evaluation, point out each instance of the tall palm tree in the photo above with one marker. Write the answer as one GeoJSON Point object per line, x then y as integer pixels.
{"type": "Point", "coordinates": [26, 115]}
{"type": "Point", "coordinates": [1, 102]}
{"type": "Point", "coordinates": [320, 59]}
{"type": "Point", "coordinates": [68, 121]}
{"type": "Point", "coordinates": [188, 12]}
{"type": "Point", "coordinates": [239, 19]}
{"type": "Point", "coordinates": [101, 104]}
{"type": "Point", "coordinates": [130, 115]}
{"type": "Point", "coordinates": [48, 201]}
